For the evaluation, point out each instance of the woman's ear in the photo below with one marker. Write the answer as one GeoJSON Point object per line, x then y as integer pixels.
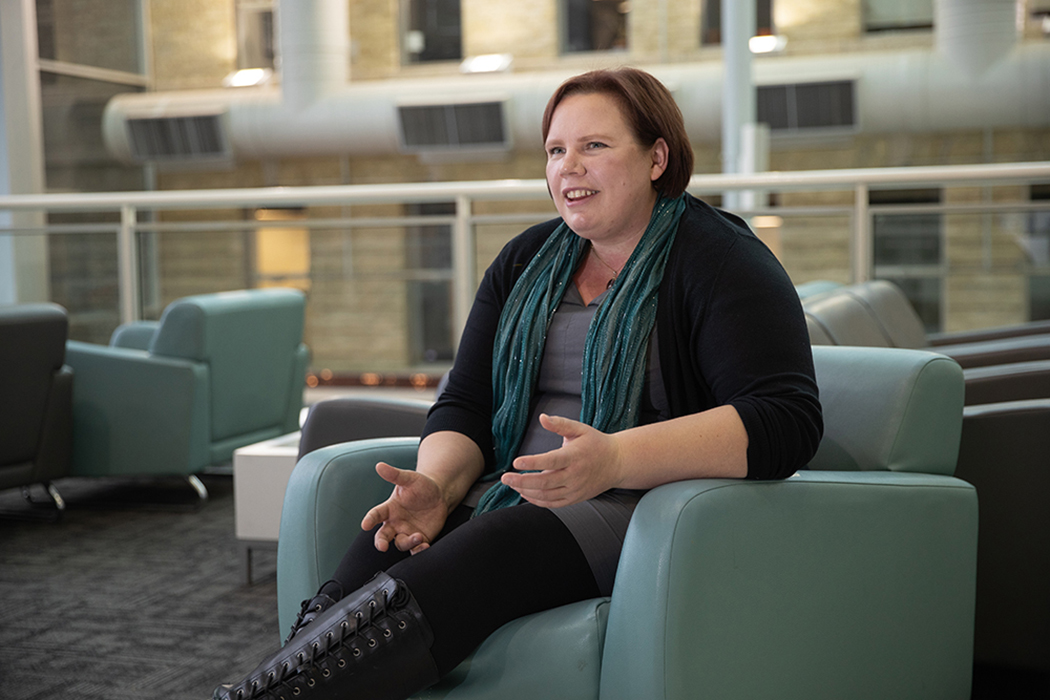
{"type": "Point", "coordinates": [659, 154]}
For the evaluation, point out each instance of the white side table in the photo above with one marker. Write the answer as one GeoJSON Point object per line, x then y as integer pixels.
{"type": "Point", "coordinates": [260, 476]}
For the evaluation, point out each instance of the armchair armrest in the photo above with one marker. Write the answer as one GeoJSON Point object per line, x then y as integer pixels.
{"type": "Point", "coordinates": [315, 530]}
{"type": "Point", "coordinates": [1016, 381]}
{"type": "Point", "coordinates": [824, 585]}
{"type": "Point", "coordinates": [999, 332]}
{"type": "Point", "coordinates": [134, 413]}
{"type": "Point", "coordinates": [134, 336]}
{"type": "Point", "coordinates": [998, 352]}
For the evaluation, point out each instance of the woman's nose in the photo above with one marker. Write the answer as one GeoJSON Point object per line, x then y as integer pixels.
{"type": "Point", "coordinates": [571, 164]}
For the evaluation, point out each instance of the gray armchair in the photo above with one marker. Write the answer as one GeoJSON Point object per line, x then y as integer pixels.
{"type": "Point", "coordinates": [877, 314]}
{"type": "Point", "coordinates": [37, 390]}
{"type": "Point", "coordinates": [852, 579]}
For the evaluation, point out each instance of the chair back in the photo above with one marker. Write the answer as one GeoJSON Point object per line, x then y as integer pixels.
{"type": "Point", "coordinates": [32, 353]}
{"type": "Point", "coordinates": [888, 410]}
{"type": "Point", "coordinates": [893, 311]}
{"type": "Point", "coordinates": [249, 340]}
{"type": "Point", "coordinates": [844, 320]}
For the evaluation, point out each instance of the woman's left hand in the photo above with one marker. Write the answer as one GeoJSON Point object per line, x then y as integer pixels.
{"type": "Point", "coordinates": [588, 463]}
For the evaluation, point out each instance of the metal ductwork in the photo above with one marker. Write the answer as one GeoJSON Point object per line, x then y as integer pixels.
{"type": "Point", "coordinates": [977, 76]}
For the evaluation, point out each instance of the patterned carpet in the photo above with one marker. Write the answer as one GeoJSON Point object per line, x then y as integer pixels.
{"type": "Point", "coordinates": [120, 600]}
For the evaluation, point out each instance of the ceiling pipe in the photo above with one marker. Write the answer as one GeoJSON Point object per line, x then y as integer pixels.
{"type": "Point", "coordinates": [317, 112]}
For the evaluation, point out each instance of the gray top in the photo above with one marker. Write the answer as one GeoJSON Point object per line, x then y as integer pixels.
{"type": "Point", "coordinates": [600, 524]}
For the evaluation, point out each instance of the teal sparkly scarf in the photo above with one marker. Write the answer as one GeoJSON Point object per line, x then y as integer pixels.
{"type": "Point", "coordinates": [614, 356]}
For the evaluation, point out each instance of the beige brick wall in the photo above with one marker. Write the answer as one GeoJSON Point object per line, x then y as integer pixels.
{"type": "Point", "coordinates": [528, 29]}
{"type": "Point", "coordinates": [358, 316]}
{"type": "Point", "coordinates": [194, 43]}
{"type": "Point", "coordinates": [375, 39]}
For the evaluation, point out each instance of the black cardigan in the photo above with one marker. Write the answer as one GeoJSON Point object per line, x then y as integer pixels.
{"type": "Point", "coordinates": [731, 331]}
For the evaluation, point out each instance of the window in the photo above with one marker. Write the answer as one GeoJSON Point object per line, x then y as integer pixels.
{"type": "Point", "coordinates": [280, 249]}
{"type": "Point", "coordinates": [1037, 243]}
{"type": "Point", "coordinates": [711, 21]}
{"type": "Point", "coordinates": [896, 15]}
{"type": "Point", "coordinates": [595, 25]}
{"type": "Point", "coordinates": [428, 251]}
{"type": "Point", "coordinates": [433, 31]}
{"type": "Point", "coordinates": [255, 39]}
{"type": "Point", "coordinates": [801, 106]}
{"type": "Point", "coordinates": [908, 250]}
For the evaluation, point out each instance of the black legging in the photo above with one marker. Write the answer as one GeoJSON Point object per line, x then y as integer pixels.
{"type": "Point", "coordinates": [480, 574]}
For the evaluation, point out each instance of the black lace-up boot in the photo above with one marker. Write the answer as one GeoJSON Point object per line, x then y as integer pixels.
{"type": "Point", "coordinates": [374, 644]}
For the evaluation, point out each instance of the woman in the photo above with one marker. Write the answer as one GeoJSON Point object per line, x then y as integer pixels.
{"type": "Point", "coordinates": [640, 339]}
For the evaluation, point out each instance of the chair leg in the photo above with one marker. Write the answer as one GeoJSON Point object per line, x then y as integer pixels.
{"type": "Point", "coordinates": [51, 509]}
{"type": "Point", "coordinates": [199, 487]}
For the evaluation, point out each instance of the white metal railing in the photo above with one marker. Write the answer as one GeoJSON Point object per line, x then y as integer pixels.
{"type": "Point", "coordinates": [860, 181]}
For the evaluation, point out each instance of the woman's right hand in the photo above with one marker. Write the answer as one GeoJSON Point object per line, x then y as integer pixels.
{"type": "Point", "coordinates": [413, 515]}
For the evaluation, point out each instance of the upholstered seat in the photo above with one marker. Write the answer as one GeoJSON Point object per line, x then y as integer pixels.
{"type": "Point", "coordinates": [854, 578]}
{"type": "Point", "coordinates": [217, 372]}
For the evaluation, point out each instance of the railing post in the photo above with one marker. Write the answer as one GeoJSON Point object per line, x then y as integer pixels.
{"type": "Point", "coordinates": [463, 264]}
{"type": "Point", "coordinates": [128, 265]}
{"type": "Point", "coordinates": [863, 248]}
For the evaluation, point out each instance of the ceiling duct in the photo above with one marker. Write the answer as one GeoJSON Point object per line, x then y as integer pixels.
{"type": "Point", "coordinates": [977, 76]}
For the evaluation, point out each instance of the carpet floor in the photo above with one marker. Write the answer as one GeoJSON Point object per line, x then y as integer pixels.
{"type": "Point", "coordinates": [123, 600]}
{"type": "Point", "coordinates": [137, 594]}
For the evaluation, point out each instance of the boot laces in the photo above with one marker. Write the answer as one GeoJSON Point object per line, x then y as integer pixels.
{"type": "Point", "coordinates": [289, 678]}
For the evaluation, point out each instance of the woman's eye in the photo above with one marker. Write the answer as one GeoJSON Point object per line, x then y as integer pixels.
{"type": "Point", "coordinates": [595, 144]}
{"type": "Point", "coordinates": [555, 150]}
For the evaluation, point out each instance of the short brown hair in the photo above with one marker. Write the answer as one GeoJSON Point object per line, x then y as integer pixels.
{"type": "Point", "coordinates": [650, 111]}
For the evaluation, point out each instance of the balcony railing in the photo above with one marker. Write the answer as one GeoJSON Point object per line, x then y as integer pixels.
{"type": "Point", "coordinates": [988, 221]}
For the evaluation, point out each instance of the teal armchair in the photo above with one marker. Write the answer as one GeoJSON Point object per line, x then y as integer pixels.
{"type": "Point", "coordinates": [851, 579]}
{"type": "Point", "coordinates": [170, 398]}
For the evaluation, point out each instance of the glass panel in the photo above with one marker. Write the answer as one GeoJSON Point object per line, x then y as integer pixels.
{"type": "Point", "coordinates": [911, 241]}
{"type": "Point", "coordinates": [428, 248]}
{"type": "Point", "coordinates": [1037, 247]}
{"type": "Point", "coordinates": [98, 33]}
{"type": "Point", "coordinates": [83, 273]}
{"type": "Point", "coordinates": [1039, 297]}
{"type": "Point", "coordinates": [907, 239]}
{"type": "Point", "coordinates": [75, 155]}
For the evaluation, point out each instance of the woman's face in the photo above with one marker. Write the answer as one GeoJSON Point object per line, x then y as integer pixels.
{"type": "Point", "coordinates": [599, 175]}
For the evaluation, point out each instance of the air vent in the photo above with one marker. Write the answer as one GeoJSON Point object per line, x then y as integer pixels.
{"type": "Point", "coordinates": [476, 125]}
{"type": "Point", "coordinates": [178, 138]}
{"type": "Point", "coordinates": [804, 106]}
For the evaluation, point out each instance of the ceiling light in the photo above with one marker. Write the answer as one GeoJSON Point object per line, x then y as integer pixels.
{"type": "Point", "coordinates": [766, 221]}
{"type": "Point", "coordinates": [487, 63]}
{"type": "Point", "coordinates": [247, 77]}
{"type": "Point", "coordinates": [766, 43]}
